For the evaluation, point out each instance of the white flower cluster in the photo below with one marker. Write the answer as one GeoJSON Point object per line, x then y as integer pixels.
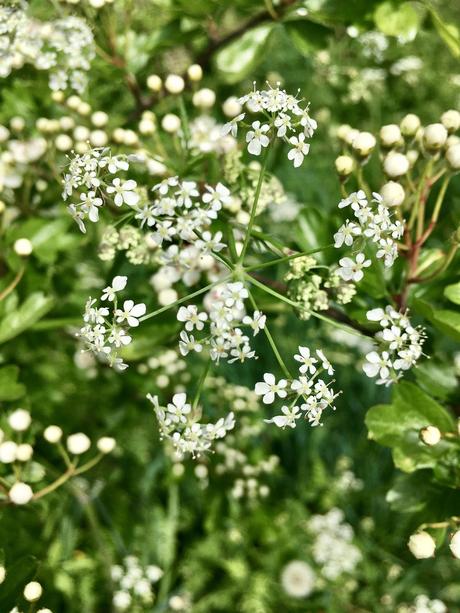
{"type": "Point", "coordinates": [94, 172]}
{"type": "Point", "coordinates": [181, 212]}
{"type": "Point", "coordinates": [105, 331]}
{"type": "Point", "coordinates": [206, 136]}
{"type": "Point", "coordinates": [179, 423]}
{"type": "Point", "coordinates": [373, 223]}
{"type": "Point", "coordinates": [133, 583]}
{"type": "Point", "coordinates": [283, 116]}
{"type": "Point", "coordinates": [65, 47]}
{"type": "Point", "coordinates": [400, 345]}
{"type": "Point", "coordinates": [224, 336]}
{"type": "Point", "coordinates": [16, 157]}
{"type": "Point", "coordinates": [333, 549]}
{"type": "Point", "coordinates": [316, 394]}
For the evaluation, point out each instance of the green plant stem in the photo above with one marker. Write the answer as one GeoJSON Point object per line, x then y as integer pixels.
{"type": "Point", "coordinates": [9, 288]}
{"type": "Point", "coordinates": [173, 516]}
{"type": "Point", "coordinates": [287, 258]}
{"type": "Point", "coordinates": [201, 382]}
{"type": "Point", "coordinates": [184, 119]}
{"type": "Point", "coordinates": [254, 205]}
{"type": "Point", "coordinates": [440, 199]}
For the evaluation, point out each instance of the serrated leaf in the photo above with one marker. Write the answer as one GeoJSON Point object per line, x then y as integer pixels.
{"type": "Point", "coordinates": [30, 311]}
{"type": "Point", "coordinates": [239, 58]}
{"type": "Point", "coordinates": [10, 389]}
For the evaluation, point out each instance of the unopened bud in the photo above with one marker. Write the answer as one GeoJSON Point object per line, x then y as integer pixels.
{"type": "Point", "coordinates": [453, 156]}
{"type": "Point", "coordinates": [174, 84]}
{"type": "Point", "coordinates": [434, 136]}
{"type": "Point", "coordinates": [344, 165]}
{"type": "Point", "coordinates": [422, 545]}
{"type": "Point", "coordinates": [451, 120]}
{"type": "Point", "coordinates": [364, 143]}
{"type": "Point", "coordinates": [430, 435]}
{"type": "Point", "coordinates": [393, 193]}
{"type": "Point", "coordinates": [390, 135]}
{"type": "Point", "coordinates": [195, 72]}
{"type": "Point", "coordinates": [410, 124]}
{"type": "Point", "coordinates": [395, 164]}
{"type": "Point", "coordinates": [454, 544]}
{"type": "Point", "coordinates": [154, 83]}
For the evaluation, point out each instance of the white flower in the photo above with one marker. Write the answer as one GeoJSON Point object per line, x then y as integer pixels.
{"type": "Point", "coordinates": [422, 545]}
{"type": "Point", "coordinates": [78, 443]}
{"type": "Point", "coordinates": [302, 386]}
{"type": "Point", "coordinates": [308, 362]}
{"type": "Point", "coordinates": [118, 284]}
{"type": "Point", "coordinates": [124, 192]}
{"type": "Point", "coordinates": [257, 138]}
{"type": "Point", "coordinates": [191, 317]}
{"type": "Point", "coordinates": [454, 544]}
{"type": "Point", "coordinates": [352, 270]}
{"type": "Point", "coordinates": [289, 417]}
{"type": "Point", "coordinates": [217, 197]}
{"type": "Point", "coordinates": [282, 122]}
{"type": "Point", "coordinates": [346, 234]}
{"type": "Point", "coordinates": [20, 420]}
{"type": "Point", "coordinates": [179, 408]}
{"type": "Point", "coordinates": [377, 364]}
{"type": "Point", "coordinates": [300, 149]}
{"type": "Point", "coordinates": [187, 190]}
{"type": "Point", "coordinates": [298, 579]}
{"type": "Point", "coordinates": [130, 313]}
{"type": "Point", "coordinates": [33, 591]}
{"type": "Point", "coordinates": [234, 294]}
{"type": "Point", "coordinates": [256, 322]}
{"type": "Point", "coordinates": [232, 126]}
{"type": "Point", "coordinates": [268, 388]}
{"type": "Point", "coordinates": [325, 362]}
{"type": "Point", "coordinates": [20, 493]}
{"type": "Point", "coordinates": [188, 343]}
{"type": "Point", "coordinates": [356, 200]}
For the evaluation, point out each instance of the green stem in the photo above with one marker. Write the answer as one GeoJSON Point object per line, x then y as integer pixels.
{"type": "Point", "coordinates": [184, 119]}
{"type": "Point", "coordinates": [170, 544]}
{"type": "Point", "coordinates": [204, 374]}
{"type": "Point", "coordinates": [287, 258]}
{"type": "Point", "coordinates": [254, 205]}
{"type": "Point", "coordinates": [440, 199]}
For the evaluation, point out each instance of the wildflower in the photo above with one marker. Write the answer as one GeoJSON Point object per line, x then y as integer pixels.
{"type": "Point", "coordinates": [118, 284]}
{"type": "Point", "coordinates": [256, 322]}
{"type": "Point", "coordinates": [130, 313]}
{"type": "Point", "coordinates": [298, 579]}
{"type": "Point", "coordinates": [300, 149]}
{"type": "Point", "coordinates": [257, 137]}
{"type": "Point", "coordinates": [191, 317]}
{"type": "Point", "coordinates": [288, 418]}
{"type": "Point", "coordinates": [308, 362]}
{"type": "Point", "coordinates": [269, 388]}
{"type": "Point", "coordinates": [352, 270]}
{"type": "Point", "coordinates": [232, 126]}
{"type": "Point", "coordinates": [124, 192]}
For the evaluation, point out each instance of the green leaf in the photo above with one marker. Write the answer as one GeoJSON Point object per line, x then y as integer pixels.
{"type": "Point", "coordinates": [47, 237]}
{"type": "Point", "coordinates": [306, 35]}
{"type": "Point", "coordinates": [452, 292]}
{"type": "Point", "coordinates": [10, 389]}
{"type": "Point", "coordinates": [239, 58]}
{"type": "Point", "coordinates": [30, 311]}
{"type": "Point", "coordinates": [448, 32]}
{"type": "Point", "coordinates": [402, 21]}
{"type": "Point", "coordinates": [448, 322]}
{"type": "Point", "coordinates": [438, 379]}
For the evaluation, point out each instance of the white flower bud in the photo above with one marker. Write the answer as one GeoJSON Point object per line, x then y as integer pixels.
{"type": "Point", "coordinates": [118, 135]}
{"type": "Point", "coordinates": [204, 98]}
{"type": "Point", "coordinates": [81, 133]}
{"type": "Point", "coordinates": [20, 493]}
{"type": "Point", "coordinates": [33, 591]}
{"type": "Point", "coordinates": [24, 452]}
{"type": "Point", "coordinates": [390, 135]}
{"type": "Point", "coordinates": [344, 165]}
{"type": "Point", "coordinates": [130, 138]}
{"type": "Point", "coordinates": [63, 142]}
{"type": "Point", "coordinates": [364, 143]}
{"type": "Point", "coordinates": [73, 102]}
{"type": "Point", "coordinates": [453, 156]}
{"type": "Point", "coordinates": [395, 164]}
{"type": "Point", "coordinates": [430, 435]}
{"type": "Point", "coordinates": [84, 109]}
{"type": "Point", "coordinates": [78, 443]}
{"type": "Point", "coordinates": [154, 82]}
{"type": "Point", "coordinates": [351, 135]}
{"type": "Point", "coordinates": [98, 138]}
{"type": "Point", "coordinates": [52, 434]}
{"type": "Point", "coordinates": [170, 123]}
{"type": "Point", "coordinates": [20, 420]}
{"type": "Point", "coordinates": [81, 147]}
{"type": "Point", "coordinates": [99, 119]}
{"type": "Point", "coordinates": [167, 296]}
{"type": "Point", "coordinates": [41, 124]}
{"type": "Point", "coordinates": [455, 544]}
{"type": "Point", "coordinates": [2, 574]}
{"type": "Point", "coordinates": [178, 469]}
{"type": "Point", "coordinates": [17, 124]}
{"type": "Point", "coordinates": [174, 84]}
{"type": "Point", "coordinates": [453, 139]}
{"type": "Point", "coordinates": [4, 134]}
{"type": "Point", "coordinates": [410, 124]}
{"type": "Point", "coordinates": [231, 107]}
{"type": "Point", "coordinates": [201, 471]}
{"type": "Point", "coordinates": [154, 573]}
{"type": "Point", "coordinates": [66, 123]}
{"type": "Point", "coordinates": [343, 130]}
{"type": "Point", "coordinates": [421, 545]}
{"type": "Point", "coordinates": [146, 126]}
{"type": "Point", "coordinates": [8, 452]}
{"type": "Point", "coordinates": [393, 194]}
{"type": "Point", "coordinates": [57, 96]}
{"type": "Point", "coordinates": [23, 247]}
{"type": "Point", "coordinates": [434, 136]}
{"type": "Point", "coordinates": [451, 120]}
{"type": "Point", "coordinates": [195, 72]}
{"type": "Point", "coordinates": [106, 444]}
{"type": "Point", "coordinates": [412, 155]}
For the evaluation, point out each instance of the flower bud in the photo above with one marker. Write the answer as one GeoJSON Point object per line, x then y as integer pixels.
{"type": "Point", "coordinates": [174, 84]}
{"type": "Point", "coordinates": [167, 296]}
{"type": "Point", "coordinates": [453, 156]}
{"type": "Point", "coordinates": [66, 123]}
{"type": "Point", "coordinates": [20, 493]}
{"type": "Point", "coordinates": [351, 135]}
{"type": "Point", "coordinates": [412, 155]}
{"type": "Point", "coordinates": [146, 126]}
{"type": "Point", "coordinates": [421, 545]}
{"type": "Point", "coordinates": [23, 247]}
{"type": "Point", "coordinates": [170, 123]}
{"type": "Point", "coordinates": [451, 120]}
{"type": "Point", "coordinates": [78, 443]}
{"type": "Point", "coordinates": [453, 139]}
{"type": "Point", "coordinates": [364, 143]}
{"type": "Point", "coordinates": [130, 138]}
{"type": "Point", "coordinates": [430, 435]}
{"type": "Point", "coordinates": [434, 136]}
{"type": "Point", "coordinates": [84, 109]}
{"type": "Point", "coordinates": [344, 165]}
{"type": "Point", "coordinates": [2, 574]}
{"type": "Point", "coordinates": [98, 138]}
{"type": "Point", "coordinates": [390, 135]}
{"type": "Point", "coordinates": [63, 142]}
{"type": "Point", "coordinates": [231, 107]}
{"type": "Point", "coordinates": [395, 164]}
{"type": "Point", "coordinates": [33, 591]}
{"type": "Point", "coordinates": [8, 452]}
{"type": "Point", "coordinates": [53, 434]}
{"type": "Point", "coordinates": [57, 96]}
{"type": "Point", "coordinates": [73, 102]}
{"type": "Point", "coordinates": [343, 130]}
{"type": "Point", "coordinates": [409, 124]}
{"type": "Point", "coordinates": [204, 98]}
{"type": "Point", "coordinates": [195, 72]}
{"type": "Point", "coordinates": [24, 452]}
{"type": "Point", "coordinates": [17, 124]}
{"type": "Point", "coordinates": [20, 420]}
{"type": "Point", "coordinates": [393, 194]}
{"type": "Point", "coordinates": [106, 444]}
{"type": "Point", "coordinates": [99, 119]}
{"type": "Point", "coordinates": [81, 133]}
{"type": "Point", "coordinates": [4, 134]}
{"type": "Point", "coordinates": [454, 544]}
{"type": "Point", "coordinates": [154, 83]}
